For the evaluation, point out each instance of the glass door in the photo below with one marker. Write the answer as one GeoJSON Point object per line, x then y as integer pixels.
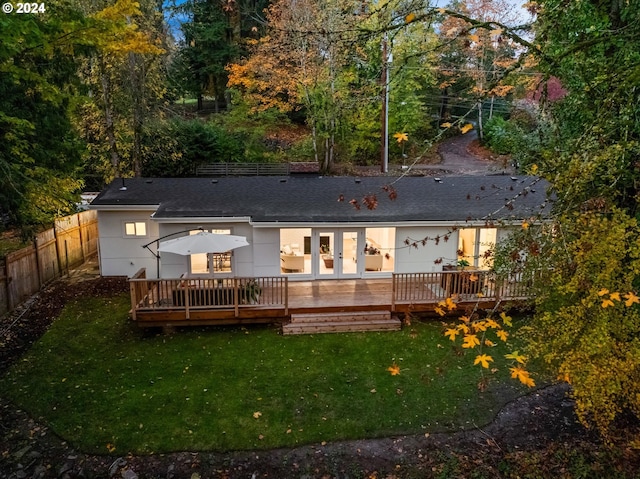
{"type": "Point", "coordinates": [339, 254]}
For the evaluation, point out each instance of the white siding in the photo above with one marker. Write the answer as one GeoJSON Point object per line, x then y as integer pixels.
{"type": "Point", "coordinates": [120, 255]}
{"type": "Point", "coordinates": [266, 250]}
{"type": "Point", "coordinates": [423, 258]}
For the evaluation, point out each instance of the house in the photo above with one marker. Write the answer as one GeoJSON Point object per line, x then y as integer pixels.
{"type": "Point", "coordinates": [325, 254]}
{"type": "Point", "coordinates": [312, 228]}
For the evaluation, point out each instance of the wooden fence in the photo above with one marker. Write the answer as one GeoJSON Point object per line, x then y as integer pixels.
{"type": "Point", "coordinates": [243, 169]}
{"type": "Point", "coordinates": [71, 241]}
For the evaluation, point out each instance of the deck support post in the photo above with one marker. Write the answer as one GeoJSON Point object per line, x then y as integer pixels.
{"type": "Point", "coordinates": [134, 299]}
{"type": "Point", "coordinates": [236, 297]}
{"type": "Point", "coordinates": [286, 296]}
{"type": "Point", "coordinates": [393, 291]}
{"type": "Point", "coordinates": [187, 301]}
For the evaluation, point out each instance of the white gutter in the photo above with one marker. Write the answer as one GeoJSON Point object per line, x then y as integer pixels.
{"type": "Point", "coordinates": [204, 219]}
{"type": "Point", "coordinates": [124, 207]}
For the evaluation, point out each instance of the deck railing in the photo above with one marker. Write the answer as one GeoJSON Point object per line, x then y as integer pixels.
{"type": "Point", "coordinates": [233, 294]}
{"type": "Point", "coordinates": [435, 287]}
{"type": "Point", "coordinates": [191, 294]}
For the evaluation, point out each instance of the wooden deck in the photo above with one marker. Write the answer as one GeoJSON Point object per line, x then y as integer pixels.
{"type": "Point", "coordinates": [184, 302]}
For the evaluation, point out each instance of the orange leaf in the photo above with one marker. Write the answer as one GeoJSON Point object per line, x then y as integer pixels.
{"type": "Point", "coordinates": [606, 303]}
{"type": "Point", "coordinates": [483, 360]}
{"type": "Point", "coordinates": [470, 341]}
{"type": "Point", "coordinates": [451, 333]}
{"type": "Point", "coordinates": [466, 128]}
{"type": "Point", "coordinates": [400, 137]}
{"type": "Point", "coordinates": [522, 375]}
{"type": "Point", "coordinates": [394, 369]}
{"type": "Point", "coordinates": [631, 298]}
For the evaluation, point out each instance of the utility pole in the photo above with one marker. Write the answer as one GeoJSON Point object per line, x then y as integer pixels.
{"type": "Point", "coordinates": [386, 58]}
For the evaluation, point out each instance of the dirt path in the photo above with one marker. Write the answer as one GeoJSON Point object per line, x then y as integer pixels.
{"type": "Point", "coordinates": [461, 155]}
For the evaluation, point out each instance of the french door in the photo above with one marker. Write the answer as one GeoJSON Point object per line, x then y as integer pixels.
{"type": "Point", "coordinates": [338, 253]}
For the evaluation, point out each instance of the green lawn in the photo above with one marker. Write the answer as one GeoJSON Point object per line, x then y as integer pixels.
{"type": "Point", "coordinates": [101, 383]}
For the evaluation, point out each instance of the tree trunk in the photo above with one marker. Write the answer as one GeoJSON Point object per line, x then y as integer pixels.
{"type": "Point", "coordinates": [108, 116]}
{"type": "Point", "coordinates": [136, 77]}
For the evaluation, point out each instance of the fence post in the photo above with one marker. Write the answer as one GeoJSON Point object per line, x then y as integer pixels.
{"type": "Point", "coordinates": [38, 269]}
{"type": "Point", "coordinates": [80, 235]}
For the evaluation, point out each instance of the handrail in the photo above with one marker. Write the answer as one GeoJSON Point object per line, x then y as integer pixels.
{"type": "Point", "coordinates": [438, 286]}
{"type": "Point", "coordinates": [191, 294]}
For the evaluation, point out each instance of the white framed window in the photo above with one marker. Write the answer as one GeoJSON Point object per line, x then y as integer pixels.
{"type": "Point", "coordinates": [211, 263]}
{"type": "Point", "coordinates": [135, 228]}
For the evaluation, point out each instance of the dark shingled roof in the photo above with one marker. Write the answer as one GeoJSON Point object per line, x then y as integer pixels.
{"type": "Point", "coordinates": [317, 199]}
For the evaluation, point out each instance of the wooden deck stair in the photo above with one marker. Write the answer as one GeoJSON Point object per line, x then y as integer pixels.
{"type": "Point", "coordinates": [313, 323]}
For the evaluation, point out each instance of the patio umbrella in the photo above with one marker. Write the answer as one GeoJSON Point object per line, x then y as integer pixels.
{"type": "Point", "coordinates": [202, 242]}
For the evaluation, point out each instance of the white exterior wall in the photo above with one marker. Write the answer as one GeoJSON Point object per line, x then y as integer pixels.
{"type": "Point", "coordinates": [266, 251]}
{"type": "Point", "coordinates": [120, 255]}
{"type": "Point", "coordinates": [423, 258]}
{"type": "Point", "coordinates": [124, 256]}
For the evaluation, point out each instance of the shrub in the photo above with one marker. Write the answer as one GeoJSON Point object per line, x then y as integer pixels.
{"type": "Point", "coordinates": [501, 136]}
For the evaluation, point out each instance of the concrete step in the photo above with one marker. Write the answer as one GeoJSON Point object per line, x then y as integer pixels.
{"type": "Point", "coordinates": [341, 317]}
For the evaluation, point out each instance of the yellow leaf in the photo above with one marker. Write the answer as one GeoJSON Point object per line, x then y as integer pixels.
{"type": "Point", "coordinates": [464, 328]}
{"type": "Point", "coordinates": [497, 31]}
{"type": "Point", "coordinates": [474, 38]}
{"type": "Point", "coordinates": [473, 277]}
{"type": "Point", "coordinates": [439, 311]}
{"type": "Point", "coordinates": [470, 341]}
{"type": "Point", "coordinates": [564, 377]}
{"type": "Point", "coordinates": [111, 447]}
{"type": "Point", "coordinates": [631, 298]}
{"type": "Point", "coordinates": [479, 326]}
{"type": "Point", "coordinates": [410, 18]}
{"type": "Point", "coordinates": [394, 369]}
{"type": "Point", "coordinates": [464, 319]}
{"type": "Point", "coordinates": [484, 360]}
{"type": "Point", "coordinates": [522, 375]}
{"type": "Point", "coordinates": [446, 125]}
{"type": "Point", "coordinates": [516, 356]}
{"type": "Point", "coordinates": [615, 296]}
{"type": "Point", "coordinates": [257, 414]}
{"type": "Point", "coordinates": [603, 291]}
{"type": "Point", "coordinates": [489, 343]}
{"type": "Point", "coordinates": [451, 333]}
{"type": "Point", "coordinates": [441, 10]}
{"type": "Point", "coordinates": [533, 169]}
{"type": "Point", "coordinates": [506, 319]}
{"type": "Point", "coordinates": [492, 324]}
{"type": "Point", "coordinates": [606, 303]}
{"type": "Point", "coordinates": [450, 304]}
{"type": "Point", "coordinates": [466, 128]}
{"type": "Point", "coordinates": [503, 335]}
{"type": "Point", "coordinates": [400, 137]}
{"type": "Point", "coordinates": [525, 225]}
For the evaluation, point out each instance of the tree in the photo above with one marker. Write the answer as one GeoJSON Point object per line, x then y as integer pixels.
{"type": "Point", "coordinates": [476, 56]}
{"type": "Point", "coordinates": [587, 321]}
{"type": "Point", "coordinates": [298, 63]}
{"type": "Point", "coordinates": [39, 151]}
{"type": "Point", "coordinates": [125, 76]}
{"type": "Point", "coordinates": [213, 38]}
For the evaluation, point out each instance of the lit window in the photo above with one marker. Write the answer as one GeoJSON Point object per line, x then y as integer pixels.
{"type": "Point", "coordinates": [135, 228]}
